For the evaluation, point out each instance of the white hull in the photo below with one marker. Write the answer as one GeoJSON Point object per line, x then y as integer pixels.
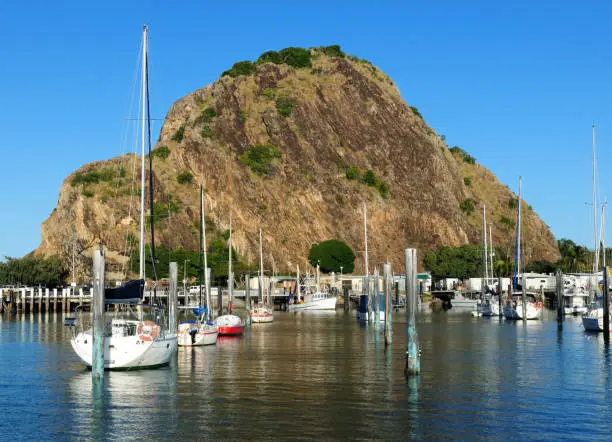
{"type": "Point", "coordinates": [488, 308]}
{"type": "Point", "coordinates": [127, 352]}
{"type": "Point", "coordinates": [469, 303]}
{"type": "Point", "coordinates": [261, 314]}
{"type": "Point", "coordinates": [575, 310]}
{"type": "Point", "coordinates": [517, 312]}
{"type": "Point", "coordinates": [317, 304]}
{"type": "Point", "coordinates": [206, 335]}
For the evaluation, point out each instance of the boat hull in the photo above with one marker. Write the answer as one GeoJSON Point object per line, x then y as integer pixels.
{"type": "Point", "coordinates": [230, 330]}
{"type": "Point", "coordinates": [127, 352]}
{"type": "Point", "coordinates": [261, 319]}
{"type": "Point", "coordinates": [205, 335]}
{"type": "Point", "coordinates": [517, 312]}
{"type": "Point", "coordinates": [318, 304]}
{"type": "Point", "coordinates": [593, 321]}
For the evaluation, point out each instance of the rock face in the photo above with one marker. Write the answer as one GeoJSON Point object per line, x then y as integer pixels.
{"type": "Point", "coordinates": [302, 129]}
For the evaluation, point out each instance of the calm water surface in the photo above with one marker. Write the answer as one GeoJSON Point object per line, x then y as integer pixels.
{"type": "Point", "coordinates": [319, 375]}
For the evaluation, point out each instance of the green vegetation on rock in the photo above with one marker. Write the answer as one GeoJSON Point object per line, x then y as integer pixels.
{"type": "Point", "coordinates": [185, 177]}
{"type": "Point", "coordinates": [284, 105]}
{"type": "Point", "coordinates": [416, 112]}
{"type": "Point", "coordinates": [260, 158]}
{"type": "Point", "coordinates": [240, 68]}
{"type": "Point", "coordinates": [162, 152]}
{"type": "Point", "coordinates": [331, 255]}
{"type": "Point", "coordinates": [467, 181]}
{"type": "Point", "coordinates": [467, 206]}
{"type": "Point", "coordinates": [369, 178]}
{"type": "Point", "coordinates": [179, 134]}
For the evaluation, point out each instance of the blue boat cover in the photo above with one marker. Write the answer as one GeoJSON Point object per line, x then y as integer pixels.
{"type": "Point", "coordinates": [199, 311]}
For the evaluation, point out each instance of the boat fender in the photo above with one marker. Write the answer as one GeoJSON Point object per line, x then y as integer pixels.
{"type": "Point", "coordinates": [147, 336]}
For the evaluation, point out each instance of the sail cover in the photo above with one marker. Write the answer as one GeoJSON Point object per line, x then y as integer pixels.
{"type": "Point", "coordinates": [130, 292]}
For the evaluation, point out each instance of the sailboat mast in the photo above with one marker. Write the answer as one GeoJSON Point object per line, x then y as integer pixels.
{"type": "Point", "coordinates": [517, 253]}
{"type": "Point", "coordinates": [484, 234]}
{"type": "Point", "coordinates": [201, 242]}
{"type": "Point", "coordinates": [261, 290]}
{"type": "Point", "coordinates": [602, 234]}
{"type": "Point", "coordinates": [491, 253]}
{"type": "Point", "coordinates": [230, 275]}
{"type": "Point", "coordinates": [152, 212]}
{"type": "Point", "coordinates": [142, 163]}
{"type": "Point", "coordinates": [595, 245]}
{"type": "Point", "coordinates": [365, 238]}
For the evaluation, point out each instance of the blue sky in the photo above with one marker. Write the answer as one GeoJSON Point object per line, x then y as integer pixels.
{"type": "Point", "coordinates": [516, 84]}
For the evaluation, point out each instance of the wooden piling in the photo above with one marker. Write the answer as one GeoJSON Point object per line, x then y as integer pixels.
{"type": "Point", "coordinates": [55, 300]}
{"type": "Point", "coordinates": [219, 301]}
{"type": "Point", "coordinates": [413, 363]}
{"type": "Point", "coordinates": [172, 297]}
{"type": "Point", "coordinates": [40, 299]}
{"type": "Point", "coordinates": [559, 295]}
{"type": "Point", "coordinates": [97, 355]}
{"type": "Point", "coordinates": [247, 296]}
{"type": "Point", "coordinates": [606, 304]}
{"type": "Point", "coordinates": [388, 304]}
{"type": "Point", "coordinates": [376, 299]}
{"type": "Point", "coordinates": [31, 301]}
{"type": "Point", "coordinates": [347, 298]}
{"type": "Point", "coordinates": [368, 294]}
{"type": "Point", "coordinates": [500, 292]}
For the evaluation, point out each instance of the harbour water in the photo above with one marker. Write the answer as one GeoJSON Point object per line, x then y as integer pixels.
{"type": "Point", "coordinates": [319, 375]}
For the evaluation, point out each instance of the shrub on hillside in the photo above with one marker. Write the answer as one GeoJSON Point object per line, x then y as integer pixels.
{"type": "Point", "coordinates": [260, 158]}
{"type": "Point", "coordinates": [331, 255]}
{"type": "Point", "coordinates": [284, 105]}
{"type": "Point", "coordinates": [240, 68]}
{"type": "Point", "coordinates": [185, 177]}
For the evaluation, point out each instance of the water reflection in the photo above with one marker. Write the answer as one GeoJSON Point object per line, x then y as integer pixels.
{"type": "Point", "coordinates": [320, 376]}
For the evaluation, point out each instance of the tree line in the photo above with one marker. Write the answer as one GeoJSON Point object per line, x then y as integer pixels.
{"type": "Point", "coordinates": [466, 261]}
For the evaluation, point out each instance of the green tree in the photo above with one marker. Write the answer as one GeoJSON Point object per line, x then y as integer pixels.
{"type": "Point", "coordinates": [331, 255]}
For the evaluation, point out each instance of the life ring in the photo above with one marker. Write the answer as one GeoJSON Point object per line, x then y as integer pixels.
{"type": "Point", "coordinates": [146, 336]}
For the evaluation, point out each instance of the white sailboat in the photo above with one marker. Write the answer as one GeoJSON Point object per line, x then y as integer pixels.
{"type": "Point", "coordinates": [514, 308]}
{"type": "Point", "coordinates": [261, 313]}
{"type": "Point", "coordinates": [198, 331]}
{"type": "Point", "coordinates": [488, 304]}
{"type": "Point", "coordinates": [593, 319]}
{"type": "Point", "coordinates": [133, 343]}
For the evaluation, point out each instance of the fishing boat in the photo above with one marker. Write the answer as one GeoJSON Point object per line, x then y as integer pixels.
{"type": "Point", "coordinates": [514, 308]}
{"type": "Point", "coordinates": [261, 312]}
{"type": "Point", "coordinates": [199, 331]}
{"type": "Point", "coordinates": [575, 296]}
{"type": "Point", "coordinates": [132, 343]}
{"type": "Point", "coordinates": [229, 325]}
{"type": "Point", "coordinates": [315, 298]}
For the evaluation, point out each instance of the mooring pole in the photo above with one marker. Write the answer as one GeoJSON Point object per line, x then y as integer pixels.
{"type": "Point", "coordinates": [376, 296]}
{"type": "Point", "coordinates": [368, 293]}
{"type": "Point", "coordinates": [247, 296]}
{"type": "Point", "coordinates": [172, 299]}
{"type": "Point", "coordinates": [388, 304]}
{"type": "Point", "coordinates": [500, 292]}
{"type": "Point", "coordinates": [559, 293]}
{"type": "Point", "coordinates": [413, 364]}
{"type": "Point", "coordinates": [524, 296]}
{"type": "Point", "coordinates": [606, 304]}
{"type": "Point", "coordinates": [219, 301]}
{"type": "Point", "coordinates": [97, 354]}
{"type": "Point", "coordinates": [207, 278]}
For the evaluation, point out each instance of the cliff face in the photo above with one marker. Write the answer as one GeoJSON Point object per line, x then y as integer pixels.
{"type": "Point", "coordinates": [273, 149]}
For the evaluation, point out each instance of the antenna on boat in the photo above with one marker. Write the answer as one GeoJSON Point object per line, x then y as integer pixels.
{"type": "Point", "coordinates": [485, 253]}
{"type": "Point", "coordinates": [595, 243]}
{"type": "Point", "coordinates": [261, 290]}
